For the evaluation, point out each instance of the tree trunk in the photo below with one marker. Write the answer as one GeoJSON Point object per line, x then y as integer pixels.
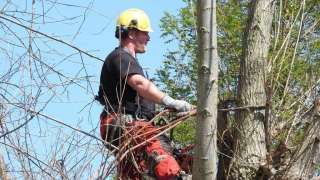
{"type": "Point", "coordinates": [205, 158]}
{"type": "Point", "coordinates": [306, 159]}
{"type": "Point", "coordinates": [224, 141]}
{"type": "Point", "coordinates": [3, 169]}
{"type": "Point", "coordinates": [250, 145]}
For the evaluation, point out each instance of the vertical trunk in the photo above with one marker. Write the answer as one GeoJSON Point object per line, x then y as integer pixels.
{"type": "Point", "coordinates": [306, 158]}
{"type": "Point", "coordinates": [3, 169]}
{"type": "Point", "coordinates": [250, 145]}
{"type": "Point", "coordinates": [205, 159]}
{"type": "Point", "coordinates": [224, 141]}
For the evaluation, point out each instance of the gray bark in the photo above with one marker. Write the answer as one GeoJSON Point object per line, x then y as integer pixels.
{"type": "Point", "coordinates": [205, 158]}
{"type": "Point", "coordinates": [250, 145]}
{"type": "Point", "coordinates": [3, 170]}
{"type": "Point", "coordinates": [224, 141]}
{"type": "Point", "coordinates": [303, 163]}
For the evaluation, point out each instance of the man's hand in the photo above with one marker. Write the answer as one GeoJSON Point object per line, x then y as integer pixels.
{"type": "Point", "coordinates": [179, 105]}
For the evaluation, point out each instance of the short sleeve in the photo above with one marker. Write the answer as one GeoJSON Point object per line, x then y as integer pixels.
{"type": "Point", "coordinates": [126, 65]}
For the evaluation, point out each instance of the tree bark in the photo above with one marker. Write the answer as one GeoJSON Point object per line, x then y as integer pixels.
{"type": "Point", "coordinates": [224, 142]}
{"type": "Point", "coordinates": [3, 169]}
{"type": "Point", "coordinates": [303, 163]}
{"type": "Point", "coordinates": [205, 158]}
{"type": "Point", "coordinates": [250, 145]}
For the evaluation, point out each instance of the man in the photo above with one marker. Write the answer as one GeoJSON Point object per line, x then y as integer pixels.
{"type": "Point", "coordinates": [129, 98]}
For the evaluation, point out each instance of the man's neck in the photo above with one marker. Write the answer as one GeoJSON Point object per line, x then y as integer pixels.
{"type": "Point", "coordinates": [129, 47]}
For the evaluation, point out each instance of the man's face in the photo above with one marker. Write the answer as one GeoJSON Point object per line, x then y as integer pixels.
{"type": "Point", "coordinates": [140, 39]}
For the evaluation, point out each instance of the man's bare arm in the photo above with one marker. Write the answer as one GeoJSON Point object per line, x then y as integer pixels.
{"type": "Point", "coordinates": [148, 90]}
{"type": "Point", "coordinates": [145, 88]}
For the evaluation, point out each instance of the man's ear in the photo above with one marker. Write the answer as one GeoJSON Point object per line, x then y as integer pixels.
{"type": "Point", "coordinates": [131, 34]}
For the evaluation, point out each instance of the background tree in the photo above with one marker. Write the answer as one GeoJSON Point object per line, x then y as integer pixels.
{"type": "Point", "coordinates": [250, 143]}
{"type": "Point", "coordinates": [33, 78]}
{"type": "Point", "coordinates": [178, 74]}
{"type": "Point", "coordinates": [291, 76]}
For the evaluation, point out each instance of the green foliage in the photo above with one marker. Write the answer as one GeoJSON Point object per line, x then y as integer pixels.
{"type": "Point", "coordinates": [298, 136]}
{"type": "Point", "coordinates": [295, 52]}
{"type": "Point", "coordinates": [294, 57]}
{"type": "Point", "coordinates": [318, 169]}
{"type": "Point", "coordinates": [184, 134]}
{"type": "Point", "coordinates": [231, 18]}
{"type": "Point", "coordinates": [178, 74]}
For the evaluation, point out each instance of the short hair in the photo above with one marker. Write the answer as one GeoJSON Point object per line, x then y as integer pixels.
{"type": "Point", "coordinates": [121, 31]}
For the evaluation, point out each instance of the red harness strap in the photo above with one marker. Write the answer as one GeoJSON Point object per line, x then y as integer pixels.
{"type": "Point", "coordinates": [109, 130]}
{"type": "Point", "coordinates": [165, 167]}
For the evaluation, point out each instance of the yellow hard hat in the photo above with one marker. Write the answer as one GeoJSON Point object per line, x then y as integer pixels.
{"type": "Point", "coordinates": [134, 18]}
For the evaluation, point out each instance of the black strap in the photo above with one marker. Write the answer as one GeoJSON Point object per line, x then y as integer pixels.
{"type": "Point", "coordinates": [133, 109]}
{"type": "Point", "coordinates": [139, 111]}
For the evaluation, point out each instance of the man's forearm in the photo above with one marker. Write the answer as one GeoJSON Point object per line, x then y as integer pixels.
{"type": "Point", "coordinates": [148, 90]}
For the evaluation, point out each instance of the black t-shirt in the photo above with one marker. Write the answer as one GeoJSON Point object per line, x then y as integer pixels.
{"type": "Point", "coordinates": [113, 88]}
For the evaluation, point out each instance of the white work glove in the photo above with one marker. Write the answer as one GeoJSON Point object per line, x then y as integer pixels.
{"type": "Point", "coordinates": [179, 105]}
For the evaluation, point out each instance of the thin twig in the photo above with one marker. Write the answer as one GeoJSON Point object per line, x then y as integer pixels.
{"type": "Point", "coordinates": [53, 38]}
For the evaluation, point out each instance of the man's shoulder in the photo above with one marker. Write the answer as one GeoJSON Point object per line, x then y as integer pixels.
{"type": "Point", "coordinates": [118, 53]}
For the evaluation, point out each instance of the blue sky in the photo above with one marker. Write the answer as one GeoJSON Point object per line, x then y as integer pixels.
{"type": "Point", "coordinates": [90, 27]}
{"type": "Point", "coordinates": [97, 32]}
{"type": "Point", "coordinates": [97, 36]}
